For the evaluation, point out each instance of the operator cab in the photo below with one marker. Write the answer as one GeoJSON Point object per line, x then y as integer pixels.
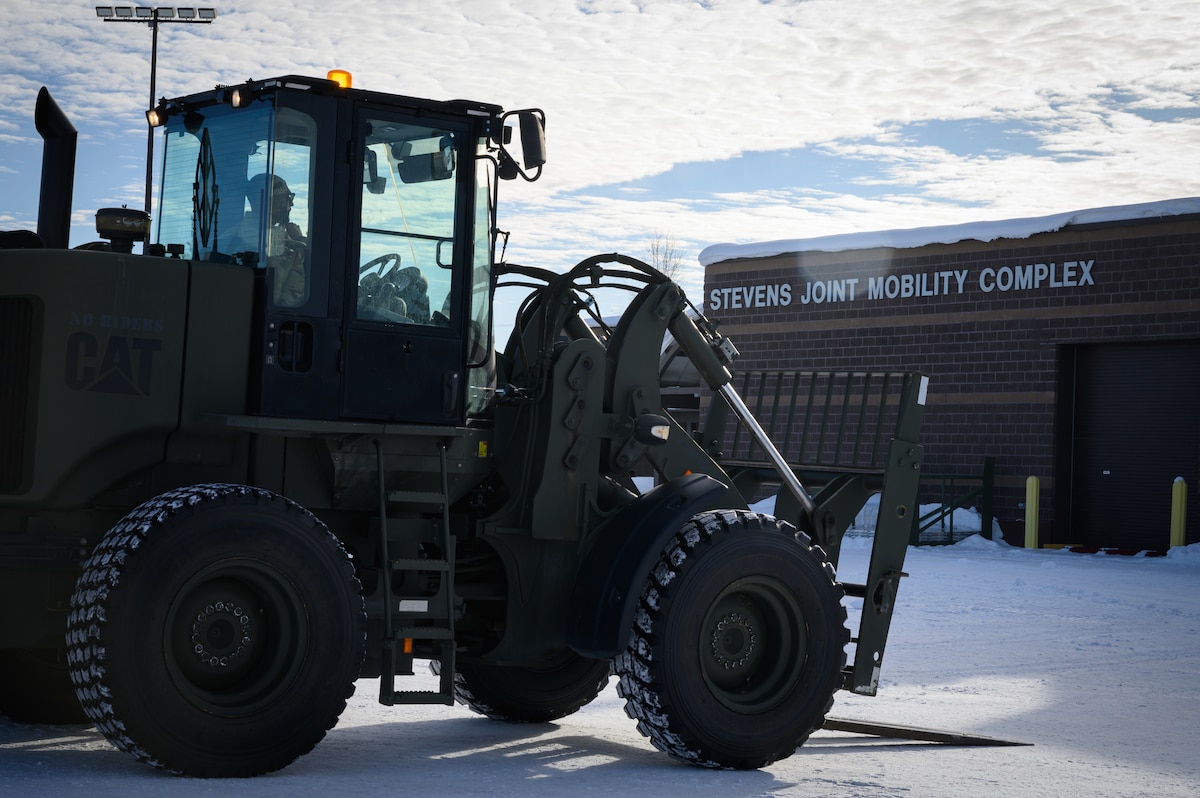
{"type": "Point", "coordinates": [368, 220]}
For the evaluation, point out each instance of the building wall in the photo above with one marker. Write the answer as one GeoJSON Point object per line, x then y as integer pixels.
{"type": "Point", "coordinates": [995, 325]}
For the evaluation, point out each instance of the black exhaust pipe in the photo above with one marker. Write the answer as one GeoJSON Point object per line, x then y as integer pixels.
{"type": "Point", "coordinates": [58, 171]}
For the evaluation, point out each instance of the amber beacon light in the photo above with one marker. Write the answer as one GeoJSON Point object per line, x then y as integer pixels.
{"type": "Point", "coordinates": [341, 77]}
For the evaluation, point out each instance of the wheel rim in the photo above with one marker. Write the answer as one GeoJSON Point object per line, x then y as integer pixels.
{"type": "Point", "coordinates": [753, 645]}
{"type": "Point", "coordinates": [236, 633]}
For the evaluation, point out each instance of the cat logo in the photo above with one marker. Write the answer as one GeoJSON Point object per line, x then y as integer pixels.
{"type": "Point", "coordinates": [122, 365]}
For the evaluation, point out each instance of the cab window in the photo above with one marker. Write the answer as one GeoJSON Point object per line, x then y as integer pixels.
{"type": "Point", "coordinates": [276, 213]}
{"type": "Point", "coordinates": [406, 238]}
{"type": "Point", "coordinates": [236, 187]}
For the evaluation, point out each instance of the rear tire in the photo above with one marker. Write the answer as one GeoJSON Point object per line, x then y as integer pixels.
{"type": "Point", "coordinates": [531, 695]}
{"type": "Point", "coordinates": [216, 631]}
{"type": "Point", "coordinates": [738, 643]}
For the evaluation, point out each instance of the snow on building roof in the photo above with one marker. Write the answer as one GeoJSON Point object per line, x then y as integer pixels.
{"type": "Point", "coordinates": [950, 234]}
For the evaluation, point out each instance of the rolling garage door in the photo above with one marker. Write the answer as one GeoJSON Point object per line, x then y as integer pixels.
{"type": "Point", "coordinates": [1133, 426]}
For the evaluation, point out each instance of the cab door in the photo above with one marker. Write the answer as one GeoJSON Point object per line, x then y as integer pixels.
{"type": "Point", "coordinates": [404, 354]}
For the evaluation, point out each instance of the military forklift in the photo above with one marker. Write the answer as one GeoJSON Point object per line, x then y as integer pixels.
{"type": "Point", "coordinates": [279, 450]}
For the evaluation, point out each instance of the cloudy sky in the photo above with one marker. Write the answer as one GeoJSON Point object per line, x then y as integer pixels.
{"type": "Point", "coordinates": [708, 121]}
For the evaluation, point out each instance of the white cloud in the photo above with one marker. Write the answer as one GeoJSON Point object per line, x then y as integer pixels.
{"type": "Point", "coordinates": [632, 89]}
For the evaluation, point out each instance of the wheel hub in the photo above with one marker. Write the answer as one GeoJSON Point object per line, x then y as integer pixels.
{"type": "Point", "coordinates": [238, 637]}
{"type": "Point", "coordinates": [221, 633]}
{"type": "Point", "coordinates": [733, 640]}
{"type": "Point", "coordinates": [752, 644]}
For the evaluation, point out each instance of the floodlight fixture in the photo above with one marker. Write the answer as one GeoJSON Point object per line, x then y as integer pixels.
{"type": "Point", "coordinates": [152, 16]}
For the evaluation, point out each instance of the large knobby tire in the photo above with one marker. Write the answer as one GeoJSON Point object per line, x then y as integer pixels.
{"type": "Point", "coordinates": [738, 643]}
{"type": "Point", "coordinates": [531, 695]}
{"type": "Point", "coordinates": [216, 631]}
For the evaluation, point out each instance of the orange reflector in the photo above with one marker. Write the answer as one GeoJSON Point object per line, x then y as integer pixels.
{"type": "Point", "coordinates": [408, 645]}
{"type": "Point", "coordinates": [341, 77]}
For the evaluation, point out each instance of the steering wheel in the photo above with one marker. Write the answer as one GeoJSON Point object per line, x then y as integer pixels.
{"type": "Point", "coordinates": [380, 261]}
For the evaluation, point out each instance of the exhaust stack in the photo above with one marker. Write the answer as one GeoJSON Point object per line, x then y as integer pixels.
{"type": "Point", "coordinates": [58, 171]}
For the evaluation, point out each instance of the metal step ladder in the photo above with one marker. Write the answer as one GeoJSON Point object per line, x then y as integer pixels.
{"type": "Point", "coordinates": [417, 618]}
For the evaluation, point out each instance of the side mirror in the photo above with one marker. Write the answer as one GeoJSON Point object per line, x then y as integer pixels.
{"type": "Point", "coordinates": [531, 126]}
{"type": "Point", "coordinates": [533, 138]}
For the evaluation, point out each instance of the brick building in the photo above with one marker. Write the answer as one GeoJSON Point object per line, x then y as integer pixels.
{"type": "Point", "coordinates": [1065, 347]}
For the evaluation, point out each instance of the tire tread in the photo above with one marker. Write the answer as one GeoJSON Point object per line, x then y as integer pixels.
{"type": "Point", "coordinates": [636, 667]}
{"type": "Point", "coordinates": [102, 573]}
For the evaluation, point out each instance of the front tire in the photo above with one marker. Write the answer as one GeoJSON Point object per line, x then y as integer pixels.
{"type": "Point", "coordinates": [216, 631]}
{"type": "Point", "coordinates": [738, 643]}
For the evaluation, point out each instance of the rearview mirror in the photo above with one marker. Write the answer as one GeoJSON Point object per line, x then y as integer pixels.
{"type": "Point", "coordinates": [421, 161]}
{"type": "Point", "coordinates": [371, 177]}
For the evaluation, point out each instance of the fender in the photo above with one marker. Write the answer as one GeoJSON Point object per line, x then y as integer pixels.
{"type": "Point", "coordinates": [627, 546]}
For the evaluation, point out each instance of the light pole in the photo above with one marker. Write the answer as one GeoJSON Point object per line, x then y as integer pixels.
{"type": "Point", "coordinates": [152, 17]}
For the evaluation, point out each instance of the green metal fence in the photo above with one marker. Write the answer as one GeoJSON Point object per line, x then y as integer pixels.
{"type": "Point", "coordinates": [949, 492]}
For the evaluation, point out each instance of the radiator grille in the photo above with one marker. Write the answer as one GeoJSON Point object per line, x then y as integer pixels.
{"type": "Point", "coordinates": [16, 361]}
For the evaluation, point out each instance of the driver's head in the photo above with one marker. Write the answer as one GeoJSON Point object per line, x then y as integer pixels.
{"type": "Point", "coordinates": [281, 197]}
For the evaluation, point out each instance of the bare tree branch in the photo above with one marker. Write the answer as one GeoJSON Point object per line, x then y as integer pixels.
{"type": "Point", "coordinates": [664, 254]}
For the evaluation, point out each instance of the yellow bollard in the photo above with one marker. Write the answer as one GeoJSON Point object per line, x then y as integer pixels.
{"type": "Point", "coordinates": [1179, 512]}
{"type": "Point", "coordinates": [1033, 492]}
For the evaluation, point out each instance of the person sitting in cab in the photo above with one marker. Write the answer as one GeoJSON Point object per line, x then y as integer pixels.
{"type": "Point", "coordinates": [282, 246]}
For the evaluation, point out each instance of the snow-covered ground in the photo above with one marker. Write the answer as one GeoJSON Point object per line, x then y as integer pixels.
{"type": "Point", "coordinates": [1092, 659]}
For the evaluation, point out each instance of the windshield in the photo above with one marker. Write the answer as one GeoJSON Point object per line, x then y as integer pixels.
{"type": "Point", "coordinates": [235, 189]}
